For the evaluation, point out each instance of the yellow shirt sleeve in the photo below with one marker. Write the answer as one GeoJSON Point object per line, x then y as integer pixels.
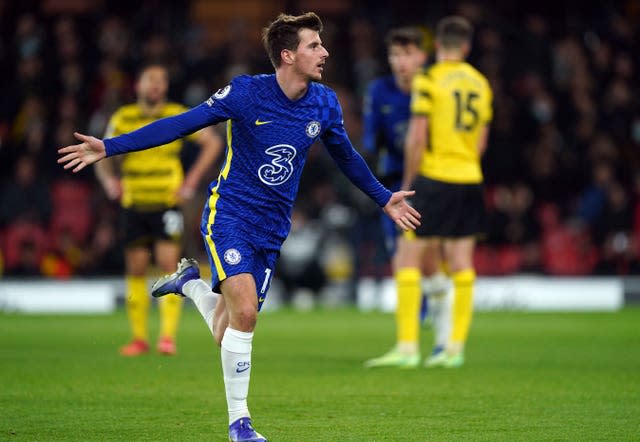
{"type": "Point", "coordinates": [421, 95]}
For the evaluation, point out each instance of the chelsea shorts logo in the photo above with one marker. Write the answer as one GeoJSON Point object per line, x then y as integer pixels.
{"type": "Point", "coordinates": [232, 256]}
{"type": "Point", "coordinates": [313, 129]}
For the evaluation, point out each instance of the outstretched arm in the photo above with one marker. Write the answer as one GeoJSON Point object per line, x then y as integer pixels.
{"type": "Point", "coordinates": [355, 168]}
{"type": "Point", "coordinates": [157, 133]}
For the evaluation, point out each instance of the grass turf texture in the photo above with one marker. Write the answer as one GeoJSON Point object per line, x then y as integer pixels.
{"type": "Point", "coordinates": [528, 377]}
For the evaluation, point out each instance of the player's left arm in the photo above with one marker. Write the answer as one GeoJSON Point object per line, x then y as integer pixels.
{"type": "Point", "coordinates": [483, 140]}
{"type": "Point", "coordinates": [211, 145]}
{"type": "Point", "coordinates": [355, 168]}
{"type": "Point", "coordinates": [415, 143]}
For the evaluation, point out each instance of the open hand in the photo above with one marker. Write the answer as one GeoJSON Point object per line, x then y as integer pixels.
{"type": "Point", "coordinates": [81, 155]}
{"type": "Point", "coordinates": [399, 210]}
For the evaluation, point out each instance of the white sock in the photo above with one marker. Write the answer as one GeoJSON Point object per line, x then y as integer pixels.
{"type": "Point", "coordinates": [439, 291]}
{"type": "Point", "coordinates": [205, 300]}
{"type": "Point", "coordinates": [440, 305]}
{"type": "Point", "coordinates": [436, 283]}
{"type": "Point", "coordinates": [236, 368]}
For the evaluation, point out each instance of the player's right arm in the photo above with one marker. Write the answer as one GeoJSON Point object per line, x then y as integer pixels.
{"type": "Point", "coordinates": [158, 133]}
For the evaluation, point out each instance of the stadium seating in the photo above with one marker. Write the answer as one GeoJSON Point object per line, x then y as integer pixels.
{"type": "Point", "coordinates": [18, 234]}
{"type": "Point", "coordinates": [71, 201]}
{"type": "Point", "coordinates": [494, 261]}
{"type": "Point", "coordinates": [568, 251]}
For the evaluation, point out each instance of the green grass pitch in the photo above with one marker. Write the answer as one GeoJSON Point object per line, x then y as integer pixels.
{"type": "Point", "coordinates": [528, 377]}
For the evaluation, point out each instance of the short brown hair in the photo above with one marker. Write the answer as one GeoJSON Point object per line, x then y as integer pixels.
{"type": "Point", "coordinates": [149, 65]}
{"type": "Point", "coordinates": [453, 31]}
{"type": "Point", "coordinates": [405, 36]}
{"type": "Point", "coordinates": [282, 33]}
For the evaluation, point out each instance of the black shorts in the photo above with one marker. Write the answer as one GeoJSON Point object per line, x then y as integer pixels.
{"type": "Point", "coordinates": [143, 228]}
{"type": "Point", "coordinates": [449, 210]}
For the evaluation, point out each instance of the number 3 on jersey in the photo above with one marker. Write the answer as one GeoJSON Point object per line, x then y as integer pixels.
{"type": "Point", "coordinates": [280, 168]}
{"type": "Point", "coordinates": [466, 112]}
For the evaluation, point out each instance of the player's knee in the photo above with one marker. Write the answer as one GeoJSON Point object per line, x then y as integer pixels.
{"type": "Point", "coordinates": [245, 318]}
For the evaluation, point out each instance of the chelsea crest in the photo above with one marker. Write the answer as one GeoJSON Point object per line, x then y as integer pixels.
{"type": "Point", "coordinates": [313, 129]}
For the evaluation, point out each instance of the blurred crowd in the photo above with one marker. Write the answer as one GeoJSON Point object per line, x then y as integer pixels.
{"type": "Point", "coordinates": [562, 168]}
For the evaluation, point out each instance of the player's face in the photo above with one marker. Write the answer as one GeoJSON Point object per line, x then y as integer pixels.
{"type": "Point", "coordinates": [310, 55]}
{"type": "Point", "coordinates": [405, 60]}
{"type": "Point", "coordinates": [153, 85]}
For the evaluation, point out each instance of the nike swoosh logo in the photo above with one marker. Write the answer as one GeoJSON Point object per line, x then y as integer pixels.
{"type": "Point", "coordinates": [240, 370]}
{"type": "Point", "coordinates": [260, 123]}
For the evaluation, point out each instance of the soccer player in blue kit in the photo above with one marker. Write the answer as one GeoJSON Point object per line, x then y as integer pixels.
{"type": "Point", "coordinates": [272, 121]}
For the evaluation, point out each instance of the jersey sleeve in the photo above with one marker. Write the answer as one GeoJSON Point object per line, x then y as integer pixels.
{"type": "Point", "coordinates": [349, 160]}
{"type": "Point", "coordinates": [227, 103]}
{"type": "Point", "coordinates": [193, 137]}
{"type": "Point", "coordinates": [371, 120]}
{"type": "Point", "coordinates": [421, 95]}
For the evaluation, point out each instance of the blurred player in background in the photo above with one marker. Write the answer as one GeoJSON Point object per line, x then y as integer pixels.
{"type": "Point", "coordinates": [448, 131]}
{"type": "Point", "coordinates": [386, 118]}
{"type": "Point", "coordinates": [272, 121]}
{"type": "Point", "coordinates": [150, 186]}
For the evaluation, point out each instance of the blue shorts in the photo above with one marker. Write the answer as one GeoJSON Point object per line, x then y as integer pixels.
{"type": "Point", "coordinates": [232, 252]}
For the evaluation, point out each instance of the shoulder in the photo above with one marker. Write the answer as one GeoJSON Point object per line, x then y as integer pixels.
{"type": "Point", "coordinates": [380, 83]}
{"type": "Point", "coordinates": [126, 112]}
{"type": "Point", "coordinates": [425, 77]}
{"type": "Point", "coordinates": [320, 89]}
{"type": "Point", "coordinates": [324, 94]}
{"type": "Point", "coordinates": [233, 94]}
{"type": "Point", "coordinates": [251, 82]}
{"type": "Point", "coordinates": [248, 85]}
{"type": "Point", "coordinates": [479, 76]}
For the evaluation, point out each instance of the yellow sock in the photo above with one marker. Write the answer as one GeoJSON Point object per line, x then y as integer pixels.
{"type": "Point", "coordinates": [408, 310]}
{"type": "Point", "coordinates": [137, 303]}
{"type": "Point", "coordinates": [170, 308]}
{"type": "Point", "coordinates": [463, 282]}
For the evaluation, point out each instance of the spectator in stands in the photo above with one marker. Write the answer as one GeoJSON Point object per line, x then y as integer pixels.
{"type": "Point", "coordinates": [25, 198]}
{"type": "Point", "coordinates": [28, 261]}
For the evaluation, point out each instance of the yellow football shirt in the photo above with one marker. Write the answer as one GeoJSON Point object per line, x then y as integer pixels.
{"type": "Point", "coordinates": [457, 100]}
{"type": "Point", "coordinates": [152, 177]}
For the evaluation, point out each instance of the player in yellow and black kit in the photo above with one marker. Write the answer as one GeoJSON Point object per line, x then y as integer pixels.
{"type": "Point", "coordinates": [448, 131]}
{"type": "Point", "coordinates": [150, 187]}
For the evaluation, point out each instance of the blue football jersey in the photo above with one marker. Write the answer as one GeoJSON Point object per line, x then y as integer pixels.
{"type": "Point", "coordinates": [386, 119]}
{"type": "Point", "coordinates": [268, 137]}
